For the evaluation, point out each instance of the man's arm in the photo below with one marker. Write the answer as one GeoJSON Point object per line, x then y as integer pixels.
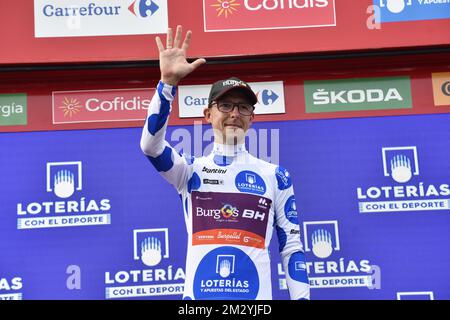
{"type": "Point", "coordinates": [174, 67]}
{"type": "Point", "coordinates": [288, 231]}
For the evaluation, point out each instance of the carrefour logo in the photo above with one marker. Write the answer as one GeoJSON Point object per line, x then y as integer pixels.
{"type": "Point", "coordinates": [406, 192]}
{"type": "Point", "coordinates": [65, 181]}
{"type": "Point", "coordinates": [192, 100]}
{"type": "Point", "coordinates": [410, 10]}
{"type": "Point", "coordinates": [142, 8]}
{"type": "Point", "coordinates": [151, 249]}
{"type": "Point", "coordinates": [62, 18]}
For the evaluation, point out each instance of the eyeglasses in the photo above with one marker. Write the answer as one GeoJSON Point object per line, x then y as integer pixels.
{"type": "Point", "coordinates": [245, 109]}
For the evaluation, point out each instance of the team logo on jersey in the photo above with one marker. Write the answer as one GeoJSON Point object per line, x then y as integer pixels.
{"type": "Point", "coordinates": [283, 178]}
{"type": "Point", "coordinates": [226, 273]}
{"type": "Point", "coordinates": [229, 218]}
{"type": "Point", "coordinates": [290, 210]}
{"type": "Point", "coordinates": [249, 181]}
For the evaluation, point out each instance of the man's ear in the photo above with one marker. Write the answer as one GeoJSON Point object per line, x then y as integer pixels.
{"type": "Point", "coordinates": [207, 114]}
{"type": "Point", "coordinates": [252, 117]}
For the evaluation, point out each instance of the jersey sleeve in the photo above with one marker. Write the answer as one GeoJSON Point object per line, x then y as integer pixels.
{"type": "Point", "coordinates": [172, 166]}
{"type": "Point", "coordinates": [288, 232]}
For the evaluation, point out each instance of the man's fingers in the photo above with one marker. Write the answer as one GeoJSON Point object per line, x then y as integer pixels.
{"type": "Point", "coordinates": [178, 37]}
{"type": "Point", "coordinates": [197, 63]}
{"type": "Point", "coordinates": [159, 44]}
{"type": "Point", "coordinates": [169, 39]}
{"type": "Point", "coordinates": [187, 40]}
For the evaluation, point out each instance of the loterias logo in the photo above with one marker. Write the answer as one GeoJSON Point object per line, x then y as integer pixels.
{"type": "Point", "coordinates": [100, 105]}
{"type": "Point", "coordinates": [10, 288]}
{"type": "Point", "coordinates": [410, 10]}
{"type": "Point", "coordinates": [326, 267]}
{"type": "Point", "coordinates": [236, 15]}
{"type": "Point", "coordinates": [407, 191]}
{"type": "Point", "coordinates": [63, 180]}
{"type": "Point", "coordinates": [150, 248]}
{"type": "Point", "coordinates": [66, 18]}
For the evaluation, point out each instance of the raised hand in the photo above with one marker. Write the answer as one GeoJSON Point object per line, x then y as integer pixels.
{"type": "Point", "coordinates": [172, 59]}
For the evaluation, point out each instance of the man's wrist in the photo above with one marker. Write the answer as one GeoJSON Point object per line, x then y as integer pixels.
{"type": "Point", "coordinates": [170, 82]}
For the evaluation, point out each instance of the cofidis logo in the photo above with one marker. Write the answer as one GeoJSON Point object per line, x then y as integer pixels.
{"type": "Point", "coordinates": [65, 18]}
{"type": "Point", "coordinates": [410, 10]}
{"type": "Point", "coordinates": [101, 105]}
{"type": "Point", "coordinates": [404, 190]}
{"type": "Point", "coordinates": [326, 267]}
{"type": "Point", "coordinates": [235, 15]}
{"type": "Point", "coordinates": [66, 206]}
{"type": "Point", "coordinates": [160, 278]}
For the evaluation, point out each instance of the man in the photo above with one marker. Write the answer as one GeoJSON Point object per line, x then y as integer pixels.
{"type": "Point", "coordinates": [232, 201]}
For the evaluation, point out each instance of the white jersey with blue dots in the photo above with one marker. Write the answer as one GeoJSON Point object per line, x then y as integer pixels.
{"type": "Point", "coordinates": [232, 202]}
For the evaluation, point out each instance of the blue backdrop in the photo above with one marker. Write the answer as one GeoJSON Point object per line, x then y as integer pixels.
{"type": "Point", "coordinates": [372, 195]}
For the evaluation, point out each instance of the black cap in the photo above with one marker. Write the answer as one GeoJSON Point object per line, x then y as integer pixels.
{"type": "Point", "coordinates": [221, 87]}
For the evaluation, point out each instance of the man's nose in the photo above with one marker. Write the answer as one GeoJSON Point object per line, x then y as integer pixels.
{"type": "Point", "coordinates": [235, 111]}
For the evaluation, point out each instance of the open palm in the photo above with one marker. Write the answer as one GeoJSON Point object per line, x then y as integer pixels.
{"type": "Point", "coordinates": [172, 58]}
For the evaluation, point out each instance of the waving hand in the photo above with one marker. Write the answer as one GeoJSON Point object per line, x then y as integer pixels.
{"type": "Point", "coordinates": [172, 58]}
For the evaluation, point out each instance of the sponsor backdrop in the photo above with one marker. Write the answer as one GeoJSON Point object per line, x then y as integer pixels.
{"type": "Point", "coordinates": [43, 31]}
{"type": "Point", "coordinates": [105, 104]}
{"type": "Point", "coordinates": [84, 215]}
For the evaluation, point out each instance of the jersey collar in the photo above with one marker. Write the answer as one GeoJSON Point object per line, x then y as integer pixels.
{"type": "Point", "coordinates": [228, 150]}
